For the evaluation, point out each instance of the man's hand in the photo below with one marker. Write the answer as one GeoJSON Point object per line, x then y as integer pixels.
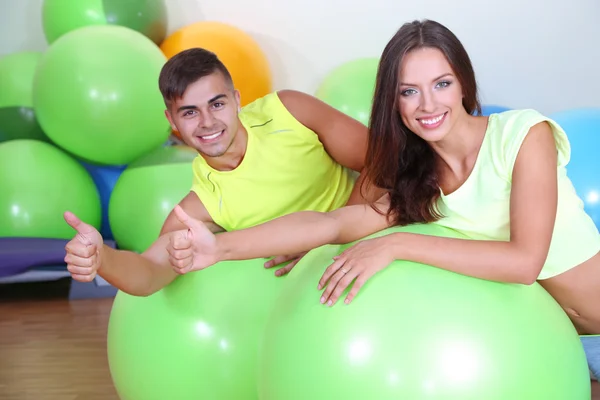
{"type": "Point", "coordinates": [83, 251]}
{"type": "Point", "coordinates": [281, 259]}
{"type": "Point", "coordinates": [192, 249]}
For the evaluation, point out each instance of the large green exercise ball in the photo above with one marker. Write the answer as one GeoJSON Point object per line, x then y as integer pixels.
{"type": "Point", "coordinates": [195, 339]}
{"type": "Point", "coordinates": [418, 332]}
{"type": "Point", "coordinates": [96, 94]}
{"type": "Point", "coordinates": [38, 183]}
{"type": "Point", "coordinates": [146, 192]}
{"type": "Point", "coordinates": [149, 17]}
{"type": "Point", "coordinates": [17, 117]}
{"type": "Point", "coordinates": [350, 87]}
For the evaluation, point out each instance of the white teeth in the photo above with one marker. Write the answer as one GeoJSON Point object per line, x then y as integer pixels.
{"type": "Point", "coordinates": [432, 121]}
{"type": "Point", "coordinates": [211, 136]}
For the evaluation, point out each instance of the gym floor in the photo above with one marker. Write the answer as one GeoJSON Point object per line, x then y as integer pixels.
{"type": "Point", "coordinates": [55, 349]}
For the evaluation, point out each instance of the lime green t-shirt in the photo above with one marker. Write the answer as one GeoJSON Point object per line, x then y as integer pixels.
{"type": "Point", "coordinates": [285, 169]}
{"type": "Point", "coordinates": [480, 208]}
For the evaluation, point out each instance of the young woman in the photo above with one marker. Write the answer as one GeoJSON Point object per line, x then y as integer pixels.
{"type": "Point", "coordinates": [501, 180]}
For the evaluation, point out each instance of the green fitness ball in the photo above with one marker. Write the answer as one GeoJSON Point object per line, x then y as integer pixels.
{"type": "Point", "coordinates": [20, 123]}
{"type": "Point", "coordinates": [96, 94]}
{"type": "Point", "coordinates": [418, 332]}
{"type": "Point", "coordinates": [17, 71]}
{"type": "Point", "coordinates": [39, 182]}
{"type": "Point", "coordinates": [350, 87]}
{"type": "Point", "coordinates": [149, 17]}
{"type": "Point", "coordinates": [195, 339]}
{"type": "Point", "coordinates": [17, 117]}
{"type": "Point", "coordinates": [145, 194]}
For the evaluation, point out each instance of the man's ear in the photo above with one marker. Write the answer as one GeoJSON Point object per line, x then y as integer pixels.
{"type": "Point", "coordinates": [238, 99]}
{"type": "Point", "coordinates": [170, 119]}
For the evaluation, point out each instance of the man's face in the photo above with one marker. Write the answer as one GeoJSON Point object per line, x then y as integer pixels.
{"type": "Point", "coordinates": [206, 115]}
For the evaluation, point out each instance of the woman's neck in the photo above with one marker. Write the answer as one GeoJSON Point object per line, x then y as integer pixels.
{"type": "Point", "coordinates": [458, 151]}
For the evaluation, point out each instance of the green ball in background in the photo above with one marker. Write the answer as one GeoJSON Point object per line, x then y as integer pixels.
{"type": "Point", "coordinates": [149, 17]}
{"type": "Point", "coordinates": [38, 183]}
{"type": "Point", "coordinates": [418, 332]}
{"type": "Point", "coordinates": [195, 339]}
{"type": "Point", "coordinates": [96, 94]}
{"type": "Point", "coordinates": [350, 87]}
{"type": "Point", "coordinates": [16, 78]}
{"type": "Point", "coordinates": [17, 117]}
{"type": "Point", "coordinates": [145, 194]}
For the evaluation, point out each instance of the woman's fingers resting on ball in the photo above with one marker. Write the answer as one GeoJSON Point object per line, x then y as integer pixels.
{"type": "Point", "coordinates": [341, 275]}
{"type": "Point", "coordinates": [358, 263]}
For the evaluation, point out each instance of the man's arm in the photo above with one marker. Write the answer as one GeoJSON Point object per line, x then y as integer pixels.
{"type": "Point", "coordinates": [133, 273]}
{"type": "Point", "coordinates": [192, 203]}
{"type": "Point", "coordinates": [343, 137]}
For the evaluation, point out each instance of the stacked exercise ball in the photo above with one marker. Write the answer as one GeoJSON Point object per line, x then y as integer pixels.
{"type": "Point", "coordinates": [17, 116]}
{"type": "Point", "coordinates": [145, 194]}
{"type": "Point", "coordinates": [149, 17]}
{"type": "Point", "coordinates": [38, 183]}
{"type": "Point", "coordinates": [350, 87]}
{"type": "Point", "coordinates": [96, 94]}
{"type": "Point", "coordinates": [239, 52]}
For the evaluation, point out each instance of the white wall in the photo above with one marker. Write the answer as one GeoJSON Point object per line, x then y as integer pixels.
{"type": "Point", "coordinates": [527, 53]}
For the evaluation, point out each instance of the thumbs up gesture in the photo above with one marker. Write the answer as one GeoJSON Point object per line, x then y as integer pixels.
{"type": "Point", "coordinates": [192, 249]}
{"type": "Point", "coordinates": [83, 251]}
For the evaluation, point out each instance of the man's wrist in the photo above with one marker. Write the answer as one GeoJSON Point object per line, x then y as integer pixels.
{"type": "Point", "coordinates": [223, 250]}
{"type": "Point", "coordinates": [103, 255]}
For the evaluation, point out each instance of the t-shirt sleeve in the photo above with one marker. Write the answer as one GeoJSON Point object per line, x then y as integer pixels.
{"type": "Point", "coordinates": [515, 127]}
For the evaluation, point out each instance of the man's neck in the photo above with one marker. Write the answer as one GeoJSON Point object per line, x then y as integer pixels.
{"type": "Point", "coordinates": [234, 155]}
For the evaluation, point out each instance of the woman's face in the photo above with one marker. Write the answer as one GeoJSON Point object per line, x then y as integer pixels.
{"type": "Point", "coordinates": [429, 94]}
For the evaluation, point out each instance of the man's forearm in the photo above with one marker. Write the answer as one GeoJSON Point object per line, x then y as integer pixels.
{"type": "Point", "coordinates": [133, 273]}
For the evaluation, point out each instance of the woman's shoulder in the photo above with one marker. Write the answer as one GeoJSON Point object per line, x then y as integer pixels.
{"type": "Point", "coordinates": [508, 129]}
{"type": "Point", "coordinates": [512, 119]}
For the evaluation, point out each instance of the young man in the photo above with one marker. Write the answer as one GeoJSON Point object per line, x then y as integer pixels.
{"type": "Point", "coordinates": [283, 153]}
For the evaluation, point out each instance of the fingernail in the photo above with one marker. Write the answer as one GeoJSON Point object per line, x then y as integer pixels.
{"type": "Point", "coordinates": [347, 301]}
{"type": "Point", "coordinates": [319, 287]}
{"type": "Point", "coordinates": [329, 303]}
{"type": "Point", "coordinates": [322, 299]}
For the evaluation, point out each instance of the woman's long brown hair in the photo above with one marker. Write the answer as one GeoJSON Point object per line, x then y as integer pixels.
{"type": "Point", "coordinates": [397, 160]}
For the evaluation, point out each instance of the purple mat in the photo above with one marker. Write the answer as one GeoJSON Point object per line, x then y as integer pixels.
{"type": "Point", "coordinates": [17, 254]}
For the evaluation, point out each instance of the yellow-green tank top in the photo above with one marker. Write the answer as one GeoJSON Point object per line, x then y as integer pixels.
{"type": "Point", "coordinates": [285, 169]}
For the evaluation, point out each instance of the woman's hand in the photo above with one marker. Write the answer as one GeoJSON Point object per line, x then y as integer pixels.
{"type": "Point", "coordinates": [359, 262]}
{"type": "Point", "coordinates": [194, 249]}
